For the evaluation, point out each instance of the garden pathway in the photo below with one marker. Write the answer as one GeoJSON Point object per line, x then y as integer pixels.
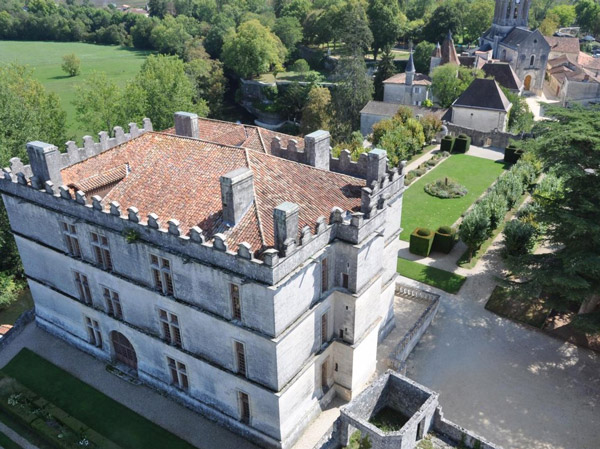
{"type": "Point", "coordinates": [188, 425]}
{"type": "Point", "coordinates": [512, 384]}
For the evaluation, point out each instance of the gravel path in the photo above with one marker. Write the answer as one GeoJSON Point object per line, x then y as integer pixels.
{"type": "Point", "coordinates": [510, 383]}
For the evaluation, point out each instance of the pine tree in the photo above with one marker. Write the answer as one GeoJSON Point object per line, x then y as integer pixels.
{"type": "Point", "coordinates": [385, 69]}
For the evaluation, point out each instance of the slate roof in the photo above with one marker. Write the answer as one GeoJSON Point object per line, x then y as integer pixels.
{"type": "Point", "coordinates": [515, 37]}
{"type": "Point", "coordinates": [178, 177]}
{"type": "Point", "coordinates": [483, 93]}
{"type": "Point", "coordinates": [563, 44]}
{"type": "Point", "coordinates": [240, 135]}
{"type": "Point", "coordinates": [400, 78]}
{"type": "Point", "coordinates": [503, 73]}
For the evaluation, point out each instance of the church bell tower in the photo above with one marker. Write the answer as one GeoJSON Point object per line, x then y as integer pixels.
{"type": "Point", "coordinates": [511, 13]}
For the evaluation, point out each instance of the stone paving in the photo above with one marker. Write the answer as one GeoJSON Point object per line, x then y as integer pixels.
{"type": "Point", "coordinates": [514, 385]}
{"type": "Point", "coordinates": [163, 411]}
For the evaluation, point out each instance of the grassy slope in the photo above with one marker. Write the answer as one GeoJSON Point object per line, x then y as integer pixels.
{"type": "Point", "coordinates": [119, 63]}
{"type": "Point", "coordinates": [444, 280]}
{"type": "Point", "coordinates": [118, 423]}
{"type": "Point", "coordinates": [423, 210]}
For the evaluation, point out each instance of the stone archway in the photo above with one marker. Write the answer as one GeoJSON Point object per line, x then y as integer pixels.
{"type": "Point", "coordinates": [527, 82]}
{"type": "Point", "coordinates": [123, 350]}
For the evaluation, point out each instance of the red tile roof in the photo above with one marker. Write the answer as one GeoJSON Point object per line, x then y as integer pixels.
{"type": "Point", "coordinates": [563, 44]}
{"type": "Point", "coordinates": [400, 78]}
{"type": "Point", "coordinates": [178, 177]}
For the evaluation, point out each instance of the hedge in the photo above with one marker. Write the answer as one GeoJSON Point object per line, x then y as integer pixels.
{"type": "Point", "coordinates": [421, 241]}
{"type": "Point", "coordinates": [444, 239]}
{"type": "Point", "coordinates": [462, 144]}
{"type": "Point", "coordinates": [447, 143]}
{"type": "Point", "coordinates": [512, 154]}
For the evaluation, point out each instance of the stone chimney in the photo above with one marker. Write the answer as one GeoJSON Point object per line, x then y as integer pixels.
{"type": "Point", "coordinates": [376, 165]}
{"type": "Point", "coordinates": [285, 224]}
{"type": "Point", "coordinates": [237, 194]}
{"type": "Point", "coordinates": [45, 161]}
{"type": "Point", "coordinates": [186, 124]}
{"type": "Point", "coordinates": [316, 146]}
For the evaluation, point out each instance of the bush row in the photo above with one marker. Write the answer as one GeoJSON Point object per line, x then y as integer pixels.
{"type": "Point", "coordinates": [459, 144]}
{"type": "Point", "coordinates": [488, 213]}
{"type": "Point", "coordinates": [412, 175]}
{"type": "Point", "coordinates": [423, 240]}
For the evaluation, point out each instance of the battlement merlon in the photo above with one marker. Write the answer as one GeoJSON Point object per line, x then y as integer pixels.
{"type": "Point", "coordinates": [293, 248]}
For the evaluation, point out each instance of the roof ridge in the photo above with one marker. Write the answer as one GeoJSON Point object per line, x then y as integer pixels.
{"type": "Point", "coordinates": [262, 142]}
{"type": "Point", "coordinates": [261, 232]}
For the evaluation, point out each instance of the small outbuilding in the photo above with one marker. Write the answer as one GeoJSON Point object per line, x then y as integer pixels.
{"type": "Point", "coordinates": [483, 106]}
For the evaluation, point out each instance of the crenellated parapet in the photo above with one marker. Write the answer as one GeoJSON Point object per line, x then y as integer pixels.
{"type": "Point", "coordinates": [293, 246]}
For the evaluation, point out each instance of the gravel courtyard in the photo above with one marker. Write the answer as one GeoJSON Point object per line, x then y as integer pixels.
{"type": "Point", "coordinates": [514, 385]}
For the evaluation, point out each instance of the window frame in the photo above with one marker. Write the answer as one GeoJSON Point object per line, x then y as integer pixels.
{"type": "Point", "coordinates": [245, 413]}
{"type": "Point", "coordinates": [70, 238]}
{"type": "Point", "coordinates": [170, 328]}
{"type": "Point", "coordinates": [236, 352]}
{"type": "Point", "coordinates": [101, 250]}
{"type": "Point", "coordinates": [324, 327]}
{"type": "Point", "coordinates": [235, 301]}
{"type": "Point", "coordinates": [324, 275]}
{"type": "Point", "coordinates": [112, 300]}
{"type": "Point", "coordinates": [177, 370]}
{"type": "Point", "coordinates": [82, 284]}
{"type": "Point", "coordinates": [162, 275]}
{"type": "Point", "coordinates": [94, 332]}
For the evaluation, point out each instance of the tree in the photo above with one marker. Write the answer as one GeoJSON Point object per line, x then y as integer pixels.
{"type": "Point", "coordinates": [477, 18]}
{"type": "Point", "coordinates": [422, 56]}
{"type": "Point", "coordinates": [550, 24]}
{"type": "Point", "coordinates": [296, 8]}
{"type": "Point", "coordinates": [385, 21]}
{"type": "Point", "coordinates": [158, 8]}
{"type": "Point", "coordinates": [221, 27]}
{"type": "Point", "coordinates": [520, 118]}
{"type": "Point", "coordinates": [568, 147]}
{"type": "Point", "coordinates": [385, 69]}
{"type": "Point", "coordinates": [446, 17]}
{"type": "Point", "coordinates": [169, 36]}
{"type": "Point", "coordinates": [96, 104]}
{"type": "Point", "coordinates": [289, 31]}
{"type": "Point", "coordinates": [518, 238]}
{"type": "Point", "coordinates": [566, 14]}
{"type": "Point", "coordinates": [291, 101]}
{"type": "Point", "coordinates": [473, 230]}
{"type": "Point", "coordinates": [71, 64]}
{"type": "Point", "coordinates": [252, 50]}
{"type": "Point", "coordinates": [431, 126]}
{"type": "Point", "coordinates": [317, 110]}
{"type": "Point", "coordinates": [208, 80]}
{"type": "Point", "coordinates": [588, 16]}
{"type": "Point", "coordinates": [449, 81]}
{"type": "Point", "coordinates": [353, 90]}
{"type": "Point", "coordinates": [355, 31]}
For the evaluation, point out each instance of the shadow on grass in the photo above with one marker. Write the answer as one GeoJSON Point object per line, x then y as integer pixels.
{"type": "Point", "coordinates": [444, 280]}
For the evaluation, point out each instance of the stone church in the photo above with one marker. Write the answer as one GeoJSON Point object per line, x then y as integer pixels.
{"type": "Point", "coordinates": [510, 40]}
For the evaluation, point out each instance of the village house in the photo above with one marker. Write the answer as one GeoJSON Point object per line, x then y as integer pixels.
{"type": "Point", "coordinates": [409, 88]}
{"type": "Point", "coordinates": [482, 106]}
{"type": "Point", "coordinates": [253, 285]}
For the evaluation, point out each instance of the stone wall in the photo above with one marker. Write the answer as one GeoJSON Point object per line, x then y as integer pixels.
{"type": "Point", "coordinates": [481, 138]}
{"type": "Point", "coordinates": [24, 319]}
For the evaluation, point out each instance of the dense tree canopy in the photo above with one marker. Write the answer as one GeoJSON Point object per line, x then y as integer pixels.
{"type": "Point", "coordinates": [449, 81]}
{"type": "Point", "coordinates": [385, 20]}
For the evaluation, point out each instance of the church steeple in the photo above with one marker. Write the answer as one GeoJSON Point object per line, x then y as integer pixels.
{"type": "Point", "coordinates": [511, 13]}
{"type": "Point", "coordinates": [410, 69]}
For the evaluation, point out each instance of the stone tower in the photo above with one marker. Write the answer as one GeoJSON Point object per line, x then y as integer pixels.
{"type": "Point", "coordinates": [507, 15]}
{"type": "Point", "coordinates": [436, 58]}
{"type": "Point", "coordinates": [410, 70]}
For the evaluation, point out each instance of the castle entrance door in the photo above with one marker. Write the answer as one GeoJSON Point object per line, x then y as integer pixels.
{"type": "Point", "coordinates": [527, 82]}
{"type": "Point", "coordinates": [123, 350]}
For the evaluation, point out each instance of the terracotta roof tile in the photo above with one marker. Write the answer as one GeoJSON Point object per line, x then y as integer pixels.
{"type": "Point", "coordinates": [563, 44]}
{"type": "Point", "coordinates": [400, 78]}
{"type": "Point", "coordinates": [178, 177]}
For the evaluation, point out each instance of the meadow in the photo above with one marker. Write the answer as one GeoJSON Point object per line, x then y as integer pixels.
{"type": "Point", "coordinates": [45, 59]}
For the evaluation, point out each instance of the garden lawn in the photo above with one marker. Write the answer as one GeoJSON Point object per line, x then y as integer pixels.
{"type": "Point", "coordinates": [107, 417]}
{"type": "Point", "coordinates": [444, 280]}
{"type": "Point", "coordinates": [119, 63]}
{"type": "Point", "coordinates": [423, 210]}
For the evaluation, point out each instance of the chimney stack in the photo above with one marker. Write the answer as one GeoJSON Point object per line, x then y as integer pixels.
{"type": "Point", "coordinates": [285, 224]}
{"type": "Point", "coordinates": [237, 194]}
{"type": "Point", "coordinates": [46, 163]}
{"type": "Point", "coordinates": [376, 165]}
{"type": "Point", "coordinates": [186, 124]}
{"type": "Point", "coordinates": [316, 146]}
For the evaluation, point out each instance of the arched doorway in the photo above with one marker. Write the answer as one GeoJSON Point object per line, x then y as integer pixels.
{"type": "Point", "coordinates": [527, 82]}
{"type": "Point", "coordinates": [123, 350]}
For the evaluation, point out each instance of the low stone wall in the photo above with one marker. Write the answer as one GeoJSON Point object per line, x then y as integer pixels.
{"type": "Point", "coordinates": [459, 434]}
{"type": "Point", "coordinates": [22, 321]}
{"type": "Point", "coordinates": [483, 138]}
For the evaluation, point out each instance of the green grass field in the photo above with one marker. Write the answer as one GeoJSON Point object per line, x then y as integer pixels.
{"type": "Point", "coordinates": [96, 410]}
{"type": "Point", "coordinates": [423, 210]}
{"type": "Point", "coordinates": [444, 280]}
{"type": "Point", "coordinates": [45, 58]}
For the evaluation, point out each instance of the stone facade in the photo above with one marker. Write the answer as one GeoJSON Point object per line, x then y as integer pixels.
{"type": "Point", "coordinates": [481, 119]}
{"type": "Point", "coordinates": [308, 313]}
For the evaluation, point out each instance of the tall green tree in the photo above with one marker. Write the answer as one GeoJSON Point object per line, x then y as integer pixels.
{"type": "Point", "coordinates": [568, 147]}
{"type": "Point", "coordinates": [476, 19]}
{"type": "Point", "coordinates": [385, 20]}
{"type": "Point", "coordinates": [252, 50]}
{"type": "Point", "coordinates": [565, 13]}
{"type": "Point", "coordinates": [588, 16]}
{"type": "Point", "coordinates": [385, 69]}
{"type": "Point", "coordinates": [446, 17]}
{"type": "Point", "coordinates": [317, 110]}
{"type": "Point", "coordinates": [353, 24]}
{"type": "Point", "coordinates": [449, 81]}
{"type": "Point", "coordinates": [207, 77]}
{"type": "Point", "coordinates": [289, 30]}
{"type": "Point", "coordinates": [97, 104]}
{"type": "Point", "coordinates": [520, 118]}
{"type": "Point", "coordinates": [422, 56]}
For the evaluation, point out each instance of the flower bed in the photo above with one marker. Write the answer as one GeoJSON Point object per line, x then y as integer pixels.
{"type": "Point", "coordinates": [424, 167]}
{"type": "Point", "coordinates": [446, 188]}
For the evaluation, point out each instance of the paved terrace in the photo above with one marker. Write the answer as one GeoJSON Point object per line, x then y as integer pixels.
{"type": "Point", "coordinates": [177, 419]}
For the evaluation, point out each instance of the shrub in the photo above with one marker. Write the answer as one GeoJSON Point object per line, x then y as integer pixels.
{"type": "Point", "coordinates": [512, 154]}
{"type": "Point", "coordinates": [461, 144]}
{"type": "Point", "coordinates": [474, 229]}
{"type": "Point", "coordinates": [9, 290]}
{"type": "Point", "coordinates": [447, 143]}
{"type": "Point", "coordinates": [518, 238]}
{"type": "Point", "coordinates": [446, 188]}
{"type": "Point", "coordinates": [526, 171]}
{"type": "Point", "coordinates": [444, 239]}
{"type": "Point", "coordinates": [432, 162]}
{"type": "Point", "coordinates": [300, 65]}
{"type": "Point", "coordinates": [495, 207]}
{"type": "Point", "coordinates": [71, 64]}
{"type": "Point", "coordinates": [510, 187]}
{"type": "Point", "coordinates": [421, 241]}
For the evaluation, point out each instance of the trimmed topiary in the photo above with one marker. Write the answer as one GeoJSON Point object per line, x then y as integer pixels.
{"type": "Point", "coordinates": [444, 239]}
{"type": "Point", "coordinates": [462, 144]}
{"type": "Point", "coordinates": [446, 188]}
{"type": "Point", "coordinates": [512, 154]}
{"type": "Point", "coordinates": [421, 241]}
{"type": "Point", "coordinates": [447, 143]}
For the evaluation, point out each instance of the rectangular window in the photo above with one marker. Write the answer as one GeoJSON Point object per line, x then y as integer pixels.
{"type": "Point", "coordinates": [324, 276]}
{"type": "Point", "coordinates": [113, 303]}
{"type": "Point", "coordinates": [101, 251]}
{"type": "Point", "coordinates": [161, 274]}
{"type": "Point", "coordinates": [345, 280]}
{"type": "Point", "coordinates": [236, 305]}
{"type": "Point", "coordinates": [240, 355]}
{"type": "Point", "coordinates": [170, 327]}
{"type": "Point", "coordinates": [71, 240]}
{"type": "Point", "coordinates": [94, 334]}
{"type": "Point", "coordinates": [178, 371]}
{"type": "Point", "coordinates": [83, 287]}
{"type": "Point", "coordinates": [244, 401]}
{"type": "Point", "coordinates": [324, 328]}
